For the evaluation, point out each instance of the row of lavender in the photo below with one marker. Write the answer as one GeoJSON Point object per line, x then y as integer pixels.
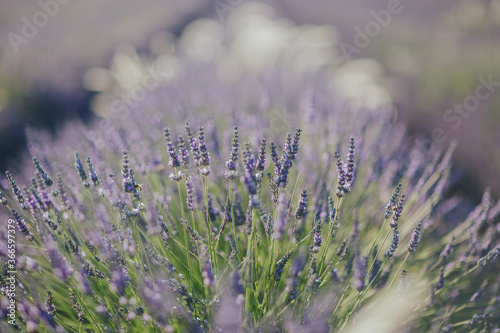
{"type": "Point", "coordinates": [196, 211]}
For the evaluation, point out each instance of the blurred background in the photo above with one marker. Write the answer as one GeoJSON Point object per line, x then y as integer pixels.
{"type": "Point", "coordinates": [437, 62]}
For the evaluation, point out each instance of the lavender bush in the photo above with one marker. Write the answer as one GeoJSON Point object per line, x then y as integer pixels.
{"type": "Point", "coordinates": [262, 205]}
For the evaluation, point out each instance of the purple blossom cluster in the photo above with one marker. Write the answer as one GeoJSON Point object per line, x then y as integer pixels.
{"type": "Point", "coordinates": [180, 225]}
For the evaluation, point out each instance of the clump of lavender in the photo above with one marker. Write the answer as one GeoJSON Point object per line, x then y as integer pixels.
{"type": "Point", "coordinates": [144, 251]}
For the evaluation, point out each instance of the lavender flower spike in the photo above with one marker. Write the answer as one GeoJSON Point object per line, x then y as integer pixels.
{"type": "Point", "coordinates": [415, 238]}
{"type": "Point", "coordinates": [17, 191]}
{"type": "Point", "coordinates": [81, 171]}
{"type": "Point", "coordinates": [302, 207]}
{"type": "Point", "coordinates": [350, 165]}
{"type": "Point", "coordinates": [204, 154]}
{"type": "Point", "coordinates": [193, 143]}
{"type": "Point", "coordinates": [398, 211]}
{"type": "Point", "coordinates": [190, 192]}
{"type": "Point", "coordinates": [93, 174]}
{"type": "Point", "coordinates": [227, 218]}
{"type": "Point", "coordinates": [232, 163]}
{"type": "Point", "coordinates": [341, 177]}
{"type": "Point", "coordinates": [295, 144]}
{"type": "Point", "coordinates": [21, 224]}
{"type": "Point", "coordinates": [261, 159]}
{"type": "Point", "coordinates": [41, 171]}
{"type": "Point", "coordinates": [49, 304]}
{"type": "Point", "coordinates": [391, 205]}
{"type": "Point", "coordinates": [250, 178]}
{"type": "Point", "coordinates": [395, 242]}
{"type": "Point", "coordinates": [174, 161]}
{"type": "Point", "coordinates": [184, 155]}
{"type": "Point", "coordinates": [278, 271]}
{"type": "Point", "coordinates": [128, 181]}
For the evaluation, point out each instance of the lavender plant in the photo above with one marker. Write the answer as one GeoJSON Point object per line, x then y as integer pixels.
{"type": "Point", "coordinates": [220, 231]}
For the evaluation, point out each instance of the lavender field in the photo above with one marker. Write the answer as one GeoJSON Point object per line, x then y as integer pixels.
{"type": "Point", "coordinates": [253, 170]}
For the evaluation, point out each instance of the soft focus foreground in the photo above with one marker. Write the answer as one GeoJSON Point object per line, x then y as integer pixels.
{"type": "Point", "coordinates": [190, 208]}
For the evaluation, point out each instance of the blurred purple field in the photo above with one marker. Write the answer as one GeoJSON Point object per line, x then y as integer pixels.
{"type": "Point", "coordinates": [430, 56]}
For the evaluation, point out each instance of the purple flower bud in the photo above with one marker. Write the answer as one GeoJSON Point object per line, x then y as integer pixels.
{"type": "Point", "coordinates": [190, 192]}
{"type": "Point", "coordinates": [448, 249]}
{"type": "Point", "coordinates": [283, 169]}
{"type": "Point", "coordinates": [49, 304]}
{"type": "Point", "coordinates": [62, 193]}
{"type": "Point", "coordinates": [205, 155]}
{"type": "Point", "coordinates": [81, 171]}
{"type": "Point", "coordinates": [176, 176]}
{"type": "Point", "coordinates": [34, 200]}
{"type": "Point", "coordinates": [226, 219]}
{"type": "Point", "coordinates": [476, 319]}
{"type": "Point", "coordinates": [128, 181]}
{"type": "Point", "coordinates": [17, 191]}
{"type": "Point", "coordinates": [193, 144]}
{"type": "Point", "coordinates": [41, 171]}
{"type": "Point", "coordinates": [278, 271]}
{"type": "Point", "coordinates": [335, 275]}
{"type": "Point", "coordinates": [492, 255]}
{"type": "Point", "coordinates": [44, 193]}
{"type": "Point", "coordinates": [184, 155]}
{"type": "Point", "coordinates": [250, 178]}
{"type": "Point", "coordinates": [301, 211]}
{"type": "Point", "coordinates": [317, 240]}
{"type": "Point", "coordinates": [261, 159]}
{"type": "Point", "coordinates": [395, 242]}
{"type": "Point", "coordinates": [391, 206]}
{"type": "Point", "coordinates": [341, 178]}
{"type": "Point", "coordinates": [415, 238]}
{"type": "Point", "coordinates": [295, 144]}
{"type": "Point", "coordinates": [21, 224]}
{"type": "Point", "coordinates": [342, 248]}
{"type": "Point", "coordinates": [399, 209]}
{"type": "Point", "coordinates": [350, 165]}
{"type": "Point", "coordinates": [174, 161]}
{"type": "Point", "coordinates": [80, 311]}
{"type": "Point", "coordinates": [332, 214]}
{"type": "Point", "coordinates": [93, 174]}
{"type": "Point", "coordinates": [3, 199]}
{"type": "Point", "coordinates": [440, 283]}
{"type": "Point", "coordinates": [274, 154]}
{"type": "Point", "coordinates": [360, 273]}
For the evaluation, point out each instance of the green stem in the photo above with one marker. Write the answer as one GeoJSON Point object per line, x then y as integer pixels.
{"type": "Point", "coordinates": [330, 236]}
{"type": "Point", "coordinates": [233, 220]}
{"type": "Point", "coordinates": [378, 250]}
{"type": "Point", "coordinates": [397, 272]}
